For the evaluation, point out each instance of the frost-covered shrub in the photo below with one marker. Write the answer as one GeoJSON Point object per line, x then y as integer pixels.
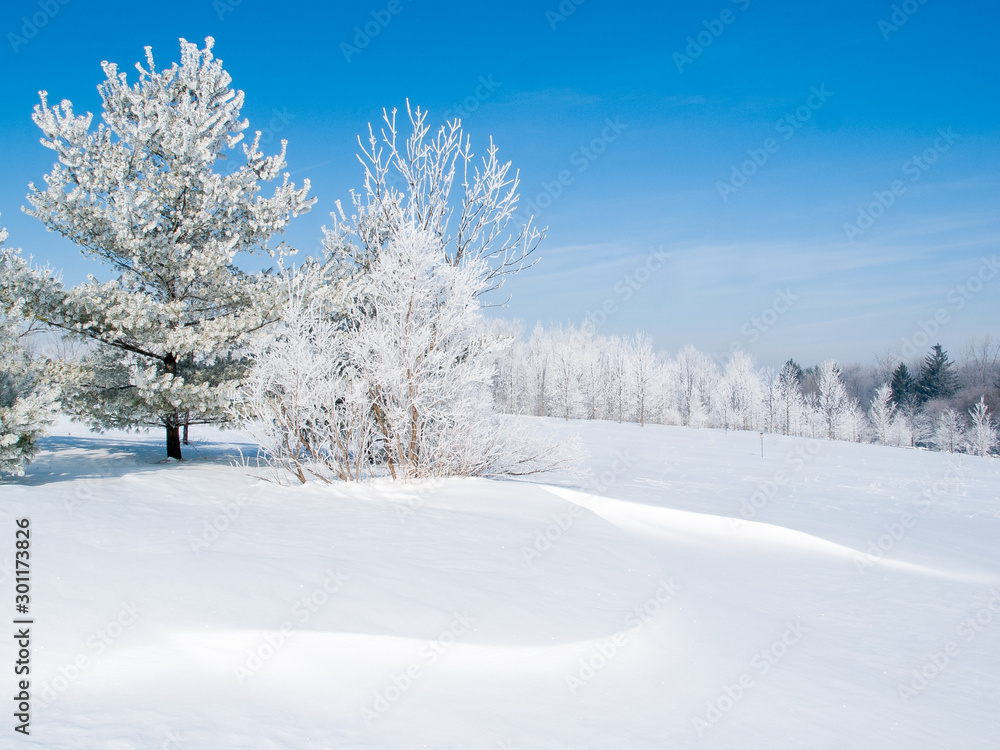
{"type": "Point", "coordinates": [402, 385]}
{"type": "Point", "coordinates": [383, 363]}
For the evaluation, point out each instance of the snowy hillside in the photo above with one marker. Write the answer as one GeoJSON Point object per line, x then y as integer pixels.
{"type": "Point", "coordinates": [192, 606]}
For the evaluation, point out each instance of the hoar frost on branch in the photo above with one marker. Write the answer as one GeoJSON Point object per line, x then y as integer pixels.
{"type": "Point", "coordinates": [413, 183]}
{"type": "Point", "coordinates": [139, 194]}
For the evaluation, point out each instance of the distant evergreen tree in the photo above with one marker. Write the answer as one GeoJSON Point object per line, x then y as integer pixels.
{"type": "Point", "coordinates": [903, 385]}
{"type": "Point", "coordinates": [793, 368]}
{"type": "Point", "coordinates": [809, 380]}
{"type": "Point", "coordinates": [937, 378]}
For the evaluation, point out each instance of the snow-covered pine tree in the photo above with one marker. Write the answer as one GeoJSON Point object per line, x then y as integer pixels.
{"type": "Point", "coordinates": [140, 195]}
{"type": "Point", "coordinates": [28, 403]}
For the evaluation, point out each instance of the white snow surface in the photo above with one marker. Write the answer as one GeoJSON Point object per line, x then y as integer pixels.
{"type": "Point", "coordinates": [192, 605]}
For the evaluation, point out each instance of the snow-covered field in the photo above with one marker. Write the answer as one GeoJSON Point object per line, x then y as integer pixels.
{"type": "Point", "coordinates": [192, 606]}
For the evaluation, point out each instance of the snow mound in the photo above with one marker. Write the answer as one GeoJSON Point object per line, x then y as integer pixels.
{"type": "Point", "coordinates": [196, 605]}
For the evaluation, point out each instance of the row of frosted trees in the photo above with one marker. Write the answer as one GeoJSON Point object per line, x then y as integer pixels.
{"type": "Point", "coordinates": [569, 373]}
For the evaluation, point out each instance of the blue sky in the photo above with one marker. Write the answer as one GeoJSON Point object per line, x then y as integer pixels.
{"type": "Point", "coordinates": [645, 110]}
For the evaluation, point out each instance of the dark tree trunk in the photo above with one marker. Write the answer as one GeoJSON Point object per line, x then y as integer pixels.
{"type": "Point", "coordinates": [174, 441]}
{"type": "Point", "coordinates": [187, 423]}
{"type": "Point", "coordinates": [172, 422]}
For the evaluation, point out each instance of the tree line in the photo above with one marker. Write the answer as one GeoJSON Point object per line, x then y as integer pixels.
{"type": "Point", "coordinates": [572, 373]}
